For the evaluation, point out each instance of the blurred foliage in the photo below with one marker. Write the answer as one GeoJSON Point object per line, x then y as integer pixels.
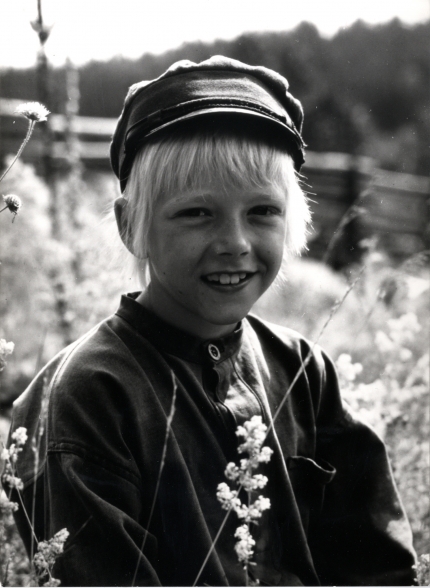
{"type": "Point", "coordinates": [364, 91]}
{"type": "Point", "coordinates": [52, 290]}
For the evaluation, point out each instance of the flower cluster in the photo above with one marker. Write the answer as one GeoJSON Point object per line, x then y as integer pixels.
{"type": "Point", "coordinates": [253, 433]}
{"type": "Point", "coordinates": [401, 332]}
{"type": "Point", "coordinates": [46, 556]}
{"type": "Point", "coordinates": [244, 547]}
{"type": "Point", "coordinates": [33, 111]}
{"type": "Point", "coordinates": [7, 506]}
{"type": "Point", "coordinates": [10, 456]}
{"type": "Point", "coordinates": [5, 350]}
{"type": "Point", "coordinates": [347, 370]}
{"type": "Point", "coordinates": [423, 570]}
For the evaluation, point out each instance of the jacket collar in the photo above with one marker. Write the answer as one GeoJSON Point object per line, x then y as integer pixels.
{"type": "Point", "coordinates": [174, 341]}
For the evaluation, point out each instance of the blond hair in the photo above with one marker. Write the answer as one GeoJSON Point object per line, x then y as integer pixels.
{"type": "Point", "coordinates": [194, 157]}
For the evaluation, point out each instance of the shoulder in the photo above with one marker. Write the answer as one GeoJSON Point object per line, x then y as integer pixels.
{"type": "Point", "coordinates": [280, 339]}
{"type": "Point", "coordinates": [89, 374]}
{"type": "Point", "coordinates": [81, 401]}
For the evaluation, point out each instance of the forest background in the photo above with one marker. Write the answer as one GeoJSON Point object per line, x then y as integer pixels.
{"type": "Point", "coordinates": [365, 92]}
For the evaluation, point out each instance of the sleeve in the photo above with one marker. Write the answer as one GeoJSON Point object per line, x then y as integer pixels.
{"type": "Point", "coordinates": [361, 536]}
{"type": "Point", "coordinates": [101, 508]}
{"type": "Point", "coordinates": [89, 481]}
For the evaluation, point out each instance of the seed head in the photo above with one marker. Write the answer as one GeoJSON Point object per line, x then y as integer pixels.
{"type": "Point", "coordinates": [33, 111]}
{"type": "Point", "coordinates": [13, 203]}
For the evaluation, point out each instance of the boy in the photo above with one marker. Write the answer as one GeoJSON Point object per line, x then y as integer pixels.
{"type": "Point", "coordinates": [206, 157]}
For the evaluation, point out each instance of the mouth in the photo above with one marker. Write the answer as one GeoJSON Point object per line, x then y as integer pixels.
{"type": "Point", "coordinates": [228, 279]}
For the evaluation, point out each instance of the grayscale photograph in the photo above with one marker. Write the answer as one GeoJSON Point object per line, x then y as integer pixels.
{"type": "Point", "coordinates": [214, 293]}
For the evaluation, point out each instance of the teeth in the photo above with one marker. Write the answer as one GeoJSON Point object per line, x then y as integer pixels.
{"type": "Point", "coordinates": [225, 279]}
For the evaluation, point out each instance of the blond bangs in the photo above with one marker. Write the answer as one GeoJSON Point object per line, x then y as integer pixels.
{"type": "Point", "coordinates": [192, 160]}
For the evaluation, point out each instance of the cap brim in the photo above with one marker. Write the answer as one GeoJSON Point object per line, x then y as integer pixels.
{"type": "Point", "coordinates": [137, 132]}
{"type": "Point", "coordinates": [135, 137]}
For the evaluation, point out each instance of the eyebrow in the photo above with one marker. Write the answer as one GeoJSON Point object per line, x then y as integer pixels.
{"type": "Point", "coordinates": [204, 196]}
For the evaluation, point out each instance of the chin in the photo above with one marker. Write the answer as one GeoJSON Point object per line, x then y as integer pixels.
{"type": "Point", "coordinates": [228, 318]}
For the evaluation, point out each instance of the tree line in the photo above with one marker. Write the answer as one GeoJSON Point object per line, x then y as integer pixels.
{"type": "Point", "coordinates": [364, 91]}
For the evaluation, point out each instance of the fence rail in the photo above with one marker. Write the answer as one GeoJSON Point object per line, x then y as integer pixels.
{"type": "Point", "coordinates": [392, 206]}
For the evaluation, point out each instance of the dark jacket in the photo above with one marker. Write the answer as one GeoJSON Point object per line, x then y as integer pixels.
{"type": "Point", "coordinates": [336, 517]}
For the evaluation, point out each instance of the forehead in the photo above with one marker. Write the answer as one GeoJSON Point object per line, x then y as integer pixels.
{"type": "Point", "coordinates": [216, 194]}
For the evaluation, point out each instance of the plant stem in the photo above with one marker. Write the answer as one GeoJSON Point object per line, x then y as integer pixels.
{"type": "Point", "coordinates": [31, 124]}
{"type": "Point", "coordinates": [308, 357]}
{"type": "Point", "coordinates": [212, 547]}
{"type": "Point", "coordinates": [163, 459]}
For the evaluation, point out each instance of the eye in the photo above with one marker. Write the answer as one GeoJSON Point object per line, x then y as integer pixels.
{"type": "Point", "coordinates": [192, 212]}
{"type": "Point", "coordinates": [265, 210]}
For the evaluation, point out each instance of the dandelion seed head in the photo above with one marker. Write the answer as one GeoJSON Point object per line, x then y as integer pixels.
{"type": "Point", "coordinates": [33, 111]}
{"type": "Point", "coordinates": [13, 204]}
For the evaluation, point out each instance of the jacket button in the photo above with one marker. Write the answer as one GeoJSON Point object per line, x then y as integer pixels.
{"type": "Point", "coordinates": [214, 352]}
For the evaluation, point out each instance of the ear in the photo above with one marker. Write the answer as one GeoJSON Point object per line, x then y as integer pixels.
{"type": "Point", "coordinates": [120, 207]}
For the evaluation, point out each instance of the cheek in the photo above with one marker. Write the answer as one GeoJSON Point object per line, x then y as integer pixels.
{"type": "Point", "coordinates": [274, 248]}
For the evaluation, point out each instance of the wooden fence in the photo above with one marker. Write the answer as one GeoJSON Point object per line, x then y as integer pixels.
{"type": "Point", "coordinates": [346, 189]}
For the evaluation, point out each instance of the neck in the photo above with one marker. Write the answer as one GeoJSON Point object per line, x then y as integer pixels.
{"type": "Point", "coordinates": [185, 320]}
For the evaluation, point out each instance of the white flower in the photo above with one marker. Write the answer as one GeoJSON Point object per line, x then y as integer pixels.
{"type": "Point", "coordinates": [33, 111]}
{"type": "Point", "coordinates": [4, 454]}
{"type": "Point", "coordinates": [251, 483]}
{"type": "Point", "coordinates": [5, 349]}
{"type": "Point", "coordinates": [6, 506]}
{"type": "Point", "coordinates": [20, 436]}
{"type": "Point", "coordinates": [405, 354]}
{"type": "Point", "coordinates": [232, 471]}
{"type": "Point", "coordinates": [244, 547]}
{"type": "Point", "coordinates": [13, 481]}
{"type": "Point", "coordinates": [383, 342]}
{"type": "Point", "coordinates": [227, 497]}
{"type": "Point", "coordinates": [265, 454]}
{"type": "Point", "coordinates": [346, 369]}
{"type": "Point", "coordinates": [13, 452]}
{"type": "Point", "coordinates": [407, 322]}
{"type": "Point", "coordinates": [254, 433]}
{"type": "Point", "coordinates": [48, 551]}
{"type": "Point", "coordinates": [262, 503]}
{"type": "Point", "coordinates": [52, 582]}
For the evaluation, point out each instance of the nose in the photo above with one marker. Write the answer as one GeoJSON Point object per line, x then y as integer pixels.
{"type": "Point", "coordinates": [232, 239]}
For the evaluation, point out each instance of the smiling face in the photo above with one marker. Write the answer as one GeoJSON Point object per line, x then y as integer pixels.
{"type": "Point", "coordinates": [212, 254]}
{"type": "Point", "coordinates": [210, 208]}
